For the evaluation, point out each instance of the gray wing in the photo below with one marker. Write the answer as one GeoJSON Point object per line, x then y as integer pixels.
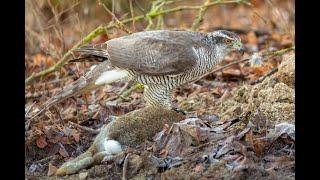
{"type": "Point", "coordinates": [154, 53]}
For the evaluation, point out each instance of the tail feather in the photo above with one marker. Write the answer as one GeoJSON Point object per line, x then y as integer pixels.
{"type": "Point", "coordinates": [79, 86]}
{"type": "Point", "coordinates": [111, 76]}
{"type": "Point", "coordinates": [96, 77]}
{"type": "Point", "coordinates": [91, 53]}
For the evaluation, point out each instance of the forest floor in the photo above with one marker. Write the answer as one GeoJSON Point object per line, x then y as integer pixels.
{"type": "Point", "coordinates": [242, 116]}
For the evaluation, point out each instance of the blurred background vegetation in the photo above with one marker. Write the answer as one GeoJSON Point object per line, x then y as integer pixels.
{"type": "Point", "coordinates": [53, 26]}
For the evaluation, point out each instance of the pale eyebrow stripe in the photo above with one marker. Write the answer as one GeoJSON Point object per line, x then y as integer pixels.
{"type": "Point", "coordinates": [223, 35]}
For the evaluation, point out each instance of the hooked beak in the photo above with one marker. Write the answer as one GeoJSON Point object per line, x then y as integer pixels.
{"type": "Point", "coordinates": [241, 51]}
{"type": "Point", "coordinates": [238, 45]}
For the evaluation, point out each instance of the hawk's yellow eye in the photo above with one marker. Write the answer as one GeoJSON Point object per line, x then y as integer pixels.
{"type": "Point", "coordinates": [228, 41]}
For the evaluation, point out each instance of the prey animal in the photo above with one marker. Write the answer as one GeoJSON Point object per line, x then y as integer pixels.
{"type": "Point", "coordinates": [161, 60]}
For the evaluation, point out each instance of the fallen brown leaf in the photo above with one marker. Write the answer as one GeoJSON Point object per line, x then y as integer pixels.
{"type": "Point", "coordinates": [52, 170]}
{"type": "Point", "coordinates": [41, 142]}
{"type": "Point", "coordinates": [252, 38]}
{"type": "Point", "coordinates": [76, 136]}
{"type": "Point", "coordinates": [63, 152]}
{"type": "Point", "coordinates": [231, 72]}
{"type": "Point", "coordinates": [164, 153]}
{"type": "Point", "coordinates": [257, 145]}
{"type": "Point", "coordinates": [199, 168]}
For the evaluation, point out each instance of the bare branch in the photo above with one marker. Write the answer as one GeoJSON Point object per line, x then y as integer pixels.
{"type": "Point", "coordinates": [270, 54]}
{"type": "Point", "coordinates": [199, 18]}
{"type": "Point", "coordinates": [118, 22]}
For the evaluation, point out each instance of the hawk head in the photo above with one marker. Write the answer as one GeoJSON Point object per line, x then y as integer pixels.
{"type": "Point", "coordinates": [224, 41]}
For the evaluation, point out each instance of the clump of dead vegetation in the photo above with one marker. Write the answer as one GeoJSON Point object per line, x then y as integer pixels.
{"type": "Point", "coordinates": [271, 101]}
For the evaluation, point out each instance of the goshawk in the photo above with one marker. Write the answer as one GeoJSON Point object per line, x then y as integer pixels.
{"type": "Point", "coordinates": [161, 60]}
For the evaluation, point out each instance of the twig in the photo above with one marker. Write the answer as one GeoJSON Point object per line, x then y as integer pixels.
{"type": "Point", "coordinates": [125, 167]}
{"type": "Point", "coordinates": [199, 18]}
{"type": "Point", "coordinates": [58, 15]}
{"type": "Point", "coordinates": [58, 112]}
{"type": "Point", "coordinates": [270, 54]}
{"type": "Point", "coordinates": [132, 15]}
{"type": "Point", "coordinates": [160, 20]}
{"type": "Point", "coordinates": [29, 108]}
{"type": "Point", "coordinates": [36, 11]}
{"type": "Point", "coordinates": [114, 17]}
{"type": "Point", "coordinates": [139, 7]}
{"type": "Point", "coordinates": [157, 6]}
{"type": "Point", "coordinates": [274, 70]}
{"type": "Point", "coordinates": [61, 145]}
{"type": "Point", "coordinates": [203, 8]}
{"type": "Point", "coordinates": [119, 95]}
{"type": "Point", "coordinates": [113, 9]}
{"type": "Point", "coordinates": [33, 96]}
{"type": "Point", "coordinates": [122, 90]}
{"type": "Point", "coordinates": [255, 11]}
{"type": "Point", "coordinates": [44, 159]}
{"type": "Point", "coordinates": [127, 93]}
{"type": "Point", "coordinates": [57, 28]}
{"type": "Point", "coordinates": [93, 131]}
{"type": "Point", "coordinates": [61, 79]}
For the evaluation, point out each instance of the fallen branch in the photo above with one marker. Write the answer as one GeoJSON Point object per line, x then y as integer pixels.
{"type": "Point", "coordinates": [267, 54]}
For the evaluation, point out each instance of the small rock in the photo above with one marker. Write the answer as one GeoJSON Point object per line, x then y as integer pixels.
{"type": "Point", "coordinates": [256, 60]}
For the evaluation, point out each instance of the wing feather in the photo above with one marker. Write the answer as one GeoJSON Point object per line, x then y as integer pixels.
{"type": "Point", "coordinates": [167, 53]}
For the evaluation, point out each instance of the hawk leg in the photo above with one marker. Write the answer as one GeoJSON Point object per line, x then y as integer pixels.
{"type": "Point", "coordinates": [160, 95]}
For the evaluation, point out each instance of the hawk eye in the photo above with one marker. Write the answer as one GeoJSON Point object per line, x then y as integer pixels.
{"type": "Point", "coordinates": [228, 41]}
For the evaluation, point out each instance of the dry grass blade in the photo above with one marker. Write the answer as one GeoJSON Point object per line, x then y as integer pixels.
{"type": "Point", "coordinates": [125, 167]}
{"type": "Point", "coordinates": [267, 54]}
{"type": "Point", "coordinates": [87, 129]}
